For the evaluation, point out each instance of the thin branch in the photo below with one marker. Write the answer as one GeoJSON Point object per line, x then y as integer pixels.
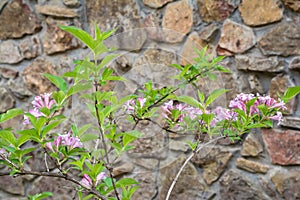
{"type": "Point", "coordinates": [186, 162]}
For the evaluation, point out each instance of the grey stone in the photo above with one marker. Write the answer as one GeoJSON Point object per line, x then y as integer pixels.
{"type": "Point", "coordinates": [234, 185]}
{"type": "Point", "coordinates": [72, 3]}
{"type": "Point", "coordinates": [56, 11]}
{"type": "Point", "coordinates": [147, 163]}
{"type": "Point", "coordinates": [8, 73]}
{"type": "Point", "coordinates": [12, 185]}
{"type": "Point", "coordinates": [283, 39]}
{"type": "Point", "coordinates": [147, 188]}
{"type": "Point", "coordinates": [18, 88]}
{"type": "Point", "coordinates": [10, 53]}
{"type": "Point", "coordinates": [252, 63]}
{"type": "Point", "coordinates": [178, 146]}
{"type": "Point", "coordinates": [295, 63]}
{"type": "Point", "coordinates": [255, 84]}
{"type": "Point", "coordinates": [7, 101]}
{"type": "Point", "coordinates": [123, 169]}
{"type": "Point", "coordinates": [30, 47]}
{"type": "Point", "coordinates": [291, 122]}
{"type": "Point", "coordinates": [209, 32]}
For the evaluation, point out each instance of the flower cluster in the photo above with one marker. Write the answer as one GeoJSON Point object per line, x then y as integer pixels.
{"type": "Point", "coordinates": [241, 100]}
{"type": "Point", "coordinates": [65, 140]}
{"type": "Point", "coordinates": [134, 104]}
{"type": "Point", "coordinates": [87, 181]}
{"type": "Point", "coordinates": [42, 101]}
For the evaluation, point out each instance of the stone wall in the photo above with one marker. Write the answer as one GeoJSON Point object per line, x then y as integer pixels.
{"type": "Point", "coordinates": [261, 39]}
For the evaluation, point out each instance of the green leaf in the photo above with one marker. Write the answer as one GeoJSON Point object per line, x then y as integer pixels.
{"type": "Point", "coordinates": [59, 97]}
{"type": "Point", "coordinates": [51, 126]}
{"type": "Point", "coordinates": [8, 136]}
{"type": "Point", "coordinates": [39, 123]}
{"type": "Point", "coordinates": [106, 60]}
{"type": "Point", "coordinates": [81, 35]}
{"type": "Point", "coordinates": [189, 100]}
{"type": "Point", "coordinates": [10, 114]}
{"type": "Point", "coordinates": [88, 137]}
{"type": "Point", "coordinates": [79, 88]}
{"type": "Point", "coordinates": [214, 95]}
{"type": "Point", "coordinates": [290, 93]}
{"type": "Point", "coordinates": [22, 139]}
{"type": "Point", "coordinates": [59, 82]}
{"type": "Point", "coordinates": [130, 136]}
{"type": "Point", "coordinates": [126, 182]}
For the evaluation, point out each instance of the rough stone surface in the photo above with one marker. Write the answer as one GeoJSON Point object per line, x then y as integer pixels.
{"type": "Point", "coordinates": [268, 187]}
{"type": "Point", "coordinates": [15, 187]}
{"type": "Point", "coordinates": [251, 146]}
{"type": "Point", "coordinates": [217, 10]}
{"type": "Point", "coordinates": [188, 185]}
{"type": "Point", "coordinates": [147, 188]}
{"type": "Point", "coordinates": [57, 40]}
{"type": "Point", "coordinates": [9, 52]}
{"type": "Point", "coordinates": [213, 162]}
{"type": "Point", "coordinates": [34, 79]}
{"type": "Point", "coordinates": [156, 3]}
{"type": "Point", "coordinates": [56, 11]}
{"type": "Point", "coordinates": [178, 146]}
{"type": "Point", "coordinates": [253, 63]}
{"type": "Point", "coordinates": [279, 85]}
{"type": "Point", "coordinates": [251, 166]}
{"type": "Point", "coordinates": [18, 88]}
{"type": "Point", "coordinates": [234, 185]}
{"type": "Point", "coordinates": [7, 101]}
{"type": "Point", "coordinates": [16, 20]}
{"type": "Point", "coordinates": [72, 3]}
{"type": "Point", "coordinates": [292, 4]}
{"type": "Point", "coordinates": [209, 32]}
{"type": "Point", "coordinates": [283, 39]}
{"type": "Point", "coordinates": [283, 146]}
{"type": "Point", "coordinates": [150, 163]}
{"type": "Point", "coordinates": [295, 63]}
{"type": "Point", "coordinates": [260, 12]}
{"type": "Point", "coordinates": [291, 122]}
{"type": "Point", "coordinates": [123, 169]}
{"type": "Point", "coordinates": [8, 73]}
{"type": "Point", "coordinates": [255, 84]}
{"type": "Point", "coordinates": [177, 21]}
{"type": "Point", "coordinates": [30, 47]}
{"type": "Point", "coordinates": [235, 37]}
{"type": "Point", "coordinates": [188, 52]}
{"type": "Point", "coordinates": [153, 28]}
{"type": "Point", "coordinates": [287, 184]}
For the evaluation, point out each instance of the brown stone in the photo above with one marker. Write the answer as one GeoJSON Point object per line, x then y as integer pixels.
{"type": "Point", "coordinates": [213, 162]}
{"type": "Point", "coordinates": [56, 11]}
{"type": "Point", "coordinates": [123, 169]}
{"type": "Point", "coordinates": [188, 52]}
{"type": "Point", "coordinates": [177, 21]}
{"type": "Point", "coordinates": [30, 47]}
{"type": "Point", "coordinates": [16, 20]}
{"type": "Point", "coordinates": [251, 166]}
{"type": "Point", "coordinates": [287, 184]}
{"type": "Point", "coordinates": [255, 84]}
{"type": "Point", "coordinates": [209, 32]}
{"type": "Point", "coordinates": [235, 37]}
{"type": "Point", "coordinates": [147, 163]}
{"type": "Point", "coordinates": [34, 79]}
{"type": "Point", "coordinates": [188, 185]}
{"type": "Point", "coordinates": [217, 10]}
{"type": "Point", "coordinates": [72, 3]}
{"type": "Point", "coordinates": [12, 185]}
{"type": "Point", "coordinates": [9, 52]}
{"type": "Point", "coordinates": [234, 185]}
{"type": "Point", "coordinates": [156, 3]}
{"type": "Point", "coordinates": [283, 146]}
{"type": "Point", "coordinates": [253, 63]}
{"type": "Point", "coordinates": [279, 85]}
{"type": "Point", "coordinates": [260, 12]}
{"type": "Point", "coordinates": [283, 39]}
{"type": "Point", "coordinates": [147, 188]}
{"type": "Point", "coordinates": [178, 146]}
{"type": "Point", "coordinates": [268, 187]}
{"type": "Point", "coordinates": [57, 40]}
{"type": "Point", "coordinates": [291, 122]}
{"type": "Point", "coordinates": [295, 63]}
{"type": "Point", "coordinates": [7, 101]}
{"type": "Point", "coordinates": [251, 146]}
{"type": "Point", "coordinates": [8, 73]}
{"type": "Point", "coordinates": [292, 4]}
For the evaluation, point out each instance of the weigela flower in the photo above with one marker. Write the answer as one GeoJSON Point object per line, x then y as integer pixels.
{"type": "Point", "coordinates": [65, 140]}
{"type": "Point", "coordinates": [42, 101]}
{"type": "Point", "coordinates": [87, 181]}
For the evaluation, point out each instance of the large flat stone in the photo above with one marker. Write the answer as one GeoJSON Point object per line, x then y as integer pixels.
{"type": "Point", "coordinates": [177, 21]}
{"type": "Point", "coordinates": [10, 53]}
{"type": "Point", "coordinates": [263, 64]}
{"type": "Point", "coordinates": [291, 122]}
{"type": "Point", "coordinates": [283, 146]}
{"type": "Point", "coordinates": [56, 11]}
{"type": "Point", "coordinates": [251, 166]}
{"type": "Point", "coordinates": [234, 185]}
{"type": "Point", "coordinates": [283, 39]}
{"type": "Point", "coordinates": [217, 10]}
{"type": "Point", "coordinates": [260, 12]}
{"type": "Point", "coordinates": [251, 146]}
{"type": "Point", "coordinates": [17, 19]}
{"type": "Point", "coordinates": [236, 38]}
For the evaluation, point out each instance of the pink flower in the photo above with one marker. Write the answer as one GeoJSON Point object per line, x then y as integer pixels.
{"type": "Point", "coordinates": [129, 106]}
{"type": "Point", "coordinates": [86, 181]}
{"type": "Point", "coordinates": [142, 101]}
{"type": "Point", "coordinates": [49, 146]}
{"type": "Point", "coordinates": [100, 177]}
{"type": "Point", "coordinates": [68, 140]}
{"type": "Point", "coordinates": [277, 117]}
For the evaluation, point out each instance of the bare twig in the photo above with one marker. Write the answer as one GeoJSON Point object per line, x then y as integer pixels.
{"type": "Point", "coordinates": [186, 162]}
